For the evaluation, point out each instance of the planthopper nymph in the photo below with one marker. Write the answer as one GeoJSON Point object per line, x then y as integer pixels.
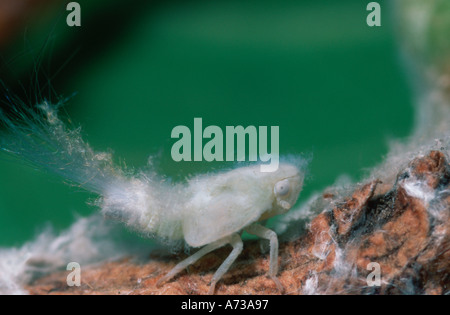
{"type": "Point", "coordinates": [207, 211]}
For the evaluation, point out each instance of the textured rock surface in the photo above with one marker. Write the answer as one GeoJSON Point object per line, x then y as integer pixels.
{"type": "Point", "coordinates": [405, 228]}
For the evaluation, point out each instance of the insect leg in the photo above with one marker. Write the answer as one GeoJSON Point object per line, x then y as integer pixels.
{"type": "Point", "coordinates": [265, 233]}
{"type": "Point", "coordinates": [192, 259]}
{"type": "Point", "coordinates": [236, 242]}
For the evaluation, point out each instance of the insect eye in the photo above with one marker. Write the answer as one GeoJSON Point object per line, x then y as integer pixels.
{"type": "Point", "coordinates": [282, 187]}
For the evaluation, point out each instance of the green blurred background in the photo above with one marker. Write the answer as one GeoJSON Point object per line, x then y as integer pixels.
{"type": "Point", "coordinates": [335, 87]}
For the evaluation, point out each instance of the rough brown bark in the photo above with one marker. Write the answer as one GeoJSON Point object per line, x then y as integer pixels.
{"type": "Point", "coordinates": [408, 236]}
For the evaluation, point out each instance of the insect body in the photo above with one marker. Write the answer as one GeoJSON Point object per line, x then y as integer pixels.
{"type": "Point", "coordinates": [208, 211]}
{"type": "Point", "coordinates": [219, 207]}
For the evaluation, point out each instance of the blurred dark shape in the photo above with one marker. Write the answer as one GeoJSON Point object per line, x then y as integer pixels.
{"type": "Point", "coordinates": [15, 13]}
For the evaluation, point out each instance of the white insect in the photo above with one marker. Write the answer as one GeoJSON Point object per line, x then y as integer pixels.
{"type": "Point", "coordinates": [208, 210]}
